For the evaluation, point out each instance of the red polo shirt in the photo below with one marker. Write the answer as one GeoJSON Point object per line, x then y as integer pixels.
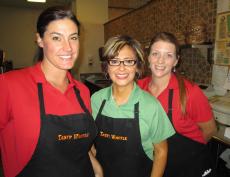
{"type": "Point", "coordinates": [20, 112]}
{"type": "Point", "coordinates": [197, 107]}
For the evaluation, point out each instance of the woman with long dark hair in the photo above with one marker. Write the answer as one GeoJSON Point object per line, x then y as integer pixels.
{"type": "Point", "coordinates": [45, 124]}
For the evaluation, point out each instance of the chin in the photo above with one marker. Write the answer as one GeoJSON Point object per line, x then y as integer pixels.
{"type": "Point", "coordinates": [66, 67]}
{"type": "Point", "coordinates": [124, 84]}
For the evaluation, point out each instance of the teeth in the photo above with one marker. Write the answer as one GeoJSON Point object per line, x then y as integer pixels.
{"type": "Point", "coordinates": [160, 67]}
{"type": "Point", "coordinates": [65, 57]}
{"type": "Point", "coordinates": [122, 75]}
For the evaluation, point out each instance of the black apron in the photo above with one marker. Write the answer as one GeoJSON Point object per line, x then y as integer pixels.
{"type": "Point", "coordinates": [119, 147]}
{"type": "Point", "coordinates": [63, 144]}
{"type": "Point", "coordinates": [186, 157]}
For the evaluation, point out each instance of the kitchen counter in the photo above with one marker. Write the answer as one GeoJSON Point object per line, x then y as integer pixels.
{"type": "Point", "coordinates": [219, 136]}
{"type": "Point", "coordinates": [218, 145]}
{"type": "Point", "coordinates": [95, 85]}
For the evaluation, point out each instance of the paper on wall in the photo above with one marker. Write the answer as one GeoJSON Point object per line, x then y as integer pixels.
{"type": "Point", "coordinates": [227, 81]}
{"type": "Point", "coordinates": [223, 6]}
{"type": "Point", "coordinates": [219, 74]}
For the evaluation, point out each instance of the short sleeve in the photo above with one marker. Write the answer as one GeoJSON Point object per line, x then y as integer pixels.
{"type": "Point", "coordinates": [4, 102]}
{"type": "Point", "coordinates": [161, 128]}
{"type": "Point", "coordinates": [198, 106]}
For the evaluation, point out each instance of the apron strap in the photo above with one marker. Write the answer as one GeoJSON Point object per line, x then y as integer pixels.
{"type": "Point", "coordinates": [81, 102]}
{"type": "Point", "coordinates": [136, 111]}
{"type": "Point", "coordinates": [170, 99]}
{"type": "Point", "coordinates": [101, 107]}
{"type": "Point", "coordinates": [41, 99]}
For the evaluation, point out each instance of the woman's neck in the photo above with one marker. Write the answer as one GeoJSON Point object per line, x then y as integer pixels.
{"type": "Point", "coordinates": [158, 85]}
{"type": "Point", "coordinates": [56, 77]}
{"type": "Point", "coordinates": [121, 94]}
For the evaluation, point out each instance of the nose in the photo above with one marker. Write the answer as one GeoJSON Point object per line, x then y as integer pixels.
{"type": "Point", "coordinates": [67, 45]}
{"type": "Point", "coordinates": [161, 58]}
{"type": "Point", "coordinates": [122, 66]}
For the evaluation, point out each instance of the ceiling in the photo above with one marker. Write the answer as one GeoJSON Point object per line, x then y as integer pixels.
{"type": "Point", "coordinates": [125, 4]}
{"type": "Point", "coordinates": [24, 3]}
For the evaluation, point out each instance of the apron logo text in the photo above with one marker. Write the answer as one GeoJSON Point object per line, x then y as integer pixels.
{"type": "Point", "coordinates": [113, 136]}
{"type": "Point", "coordinates": [72, 136]}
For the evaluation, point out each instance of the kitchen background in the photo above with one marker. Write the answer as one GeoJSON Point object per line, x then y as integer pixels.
{"type": "Point", "coordinates": [176, 16]}
{"type": "Point", "coordinates": [102, 19]}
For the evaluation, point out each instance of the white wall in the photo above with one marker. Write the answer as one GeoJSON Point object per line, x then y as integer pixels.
{"type": "Point", "coordinates": [17, 34]}
{"type": "Point", "coordinates": [18, 28]}
{"type": "Point", "coordinates": [223, 6]}
{"type": "Point", "coordinates": [92, 15]}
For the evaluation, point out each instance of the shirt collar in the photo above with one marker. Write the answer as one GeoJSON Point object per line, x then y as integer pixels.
{"type": "Point", "coordinates": [173, 83]}
{"type": "Point", "coordinates": [39, 76]}
{"type": "Point", "coordinates": [133, 98]}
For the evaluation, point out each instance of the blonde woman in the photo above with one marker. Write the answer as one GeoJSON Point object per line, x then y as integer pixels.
{"type": "Point", "coordinates": [133, 127]}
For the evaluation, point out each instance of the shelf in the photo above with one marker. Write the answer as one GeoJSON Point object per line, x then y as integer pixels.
{"type": "Point", "coordinates": [205, 48]}
{"type": "Point", "coordinates": [199, 46]}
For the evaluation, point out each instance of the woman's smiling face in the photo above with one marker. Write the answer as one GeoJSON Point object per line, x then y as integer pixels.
{"type": "Point", "coordinates": [123, 75]}
{"type": "Point", "coordinates": [162, 58]}
{"type": "Point", "coordinates": [60, 44]}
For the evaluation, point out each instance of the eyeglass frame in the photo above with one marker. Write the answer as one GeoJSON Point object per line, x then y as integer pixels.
{"type": "Point", "coordinates": [122, 61]}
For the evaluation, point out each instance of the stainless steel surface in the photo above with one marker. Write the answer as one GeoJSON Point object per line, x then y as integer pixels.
{"type": "Point", "coordinates": [219, 136]}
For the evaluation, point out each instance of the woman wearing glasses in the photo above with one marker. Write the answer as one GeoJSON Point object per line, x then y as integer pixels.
{"type": "Point", "coordinates": [132, 125]}
{"type": "Point", "coordinates": [187, 108]}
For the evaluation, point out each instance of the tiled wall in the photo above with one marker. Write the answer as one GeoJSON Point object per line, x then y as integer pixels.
{"type": "Point", "coordinates": [172, 16]}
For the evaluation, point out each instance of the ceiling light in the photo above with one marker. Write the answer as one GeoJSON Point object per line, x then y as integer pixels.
{"type": "Point", "coordinates": [41, 1]}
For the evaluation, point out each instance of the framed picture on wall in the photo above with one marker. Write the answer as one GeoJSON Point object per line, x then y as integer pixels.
{"type": "Point", "coordinates": [222, 43]}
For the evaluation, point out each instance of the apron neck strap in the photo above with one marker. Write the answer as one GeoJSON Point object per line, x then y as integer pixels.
{"type": "Point", "coordinates": [41, 99]}
{"type": "Point", "coordinates": [101, 107]}
{"type": "Point", "coordinates": [170, 99]}
{"type": "Point", "coordinates": [81, 102]}
{"type": "Point", "coordinates": [136, 111]}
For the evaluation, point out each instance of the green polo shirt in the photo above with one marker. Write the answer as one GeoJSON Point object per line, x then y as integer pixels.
{"type": "Point", "coordinates": [153, 121]}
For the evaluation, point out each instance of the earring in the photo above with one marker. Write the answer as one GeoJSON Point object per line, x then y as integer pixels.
{"type": "Point", "coordinates": [137, 75]}
{"type": "Point", "coordinates": [107, 76]}
{"type": "Point", "coordinates": [174, 69]}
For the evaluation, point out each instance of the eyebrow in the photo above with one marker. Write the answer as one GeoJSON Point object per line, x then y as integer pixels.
{"type": "Point", "coordinates": [62, 35]}
{"type": "Point", "coordinates": [163, 52]}
{"type": "Point", "coordinates": [126, 58]}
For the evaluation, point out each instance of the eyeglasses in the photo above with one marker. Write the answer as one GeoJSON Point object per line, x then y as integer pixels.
{"type": "Point", "coordinates": [126, 62]}
{"type": "Point", "coordinates": [165, 55]}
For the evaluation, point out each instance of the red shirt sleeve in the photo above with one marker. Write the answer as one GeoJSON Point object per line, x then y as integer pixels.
{"type": "Point", "coordinates": [200, 110]}
{"type": "Point", "coordinates": [4, 102]}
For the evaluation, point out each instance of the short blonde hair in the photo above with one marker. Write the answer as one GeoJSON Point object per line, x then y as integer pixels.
{"type": "Point", "coordinates": [115, 44]}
